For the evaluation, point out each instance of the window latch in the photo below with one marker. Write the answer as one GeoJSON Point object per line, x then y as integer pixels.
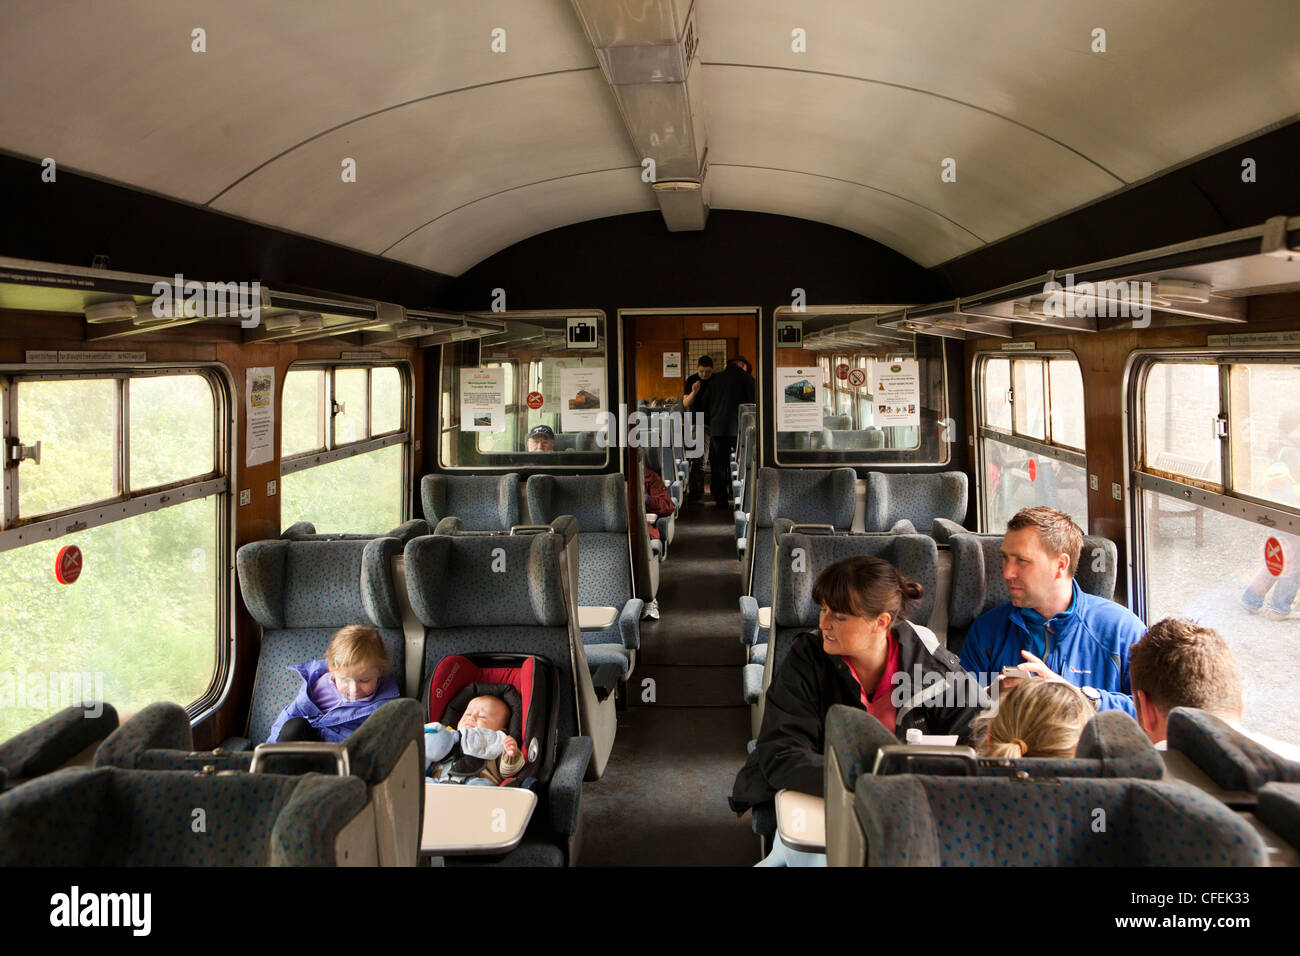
{"type": "Point", "coordinates": [18, 452]}
{"type": "Point", "coordinates": [1221, 425]}
{"type": "Point", "coordinates": [338, 408]}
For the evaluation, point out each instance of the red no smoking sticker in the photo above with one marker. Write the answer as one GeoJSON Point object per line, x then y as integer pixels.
{"type": "Point", "coordinates": [841, 372]}
{"type": "Point", "coordinates": [1033, 470]}
{"type": "Point", "coordinates": [67, 566]}
{"type": "Point", "coordinates": [534, 400]}
{"type": "Point", "coordinates": [857, 377]}
{"type": "Point", "coordinates": [1273, 556]}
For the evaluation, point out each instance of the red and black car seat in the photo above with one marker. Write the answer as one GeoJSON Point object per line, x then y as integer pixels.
{"type": "Point", "coordinates": [525, 682]}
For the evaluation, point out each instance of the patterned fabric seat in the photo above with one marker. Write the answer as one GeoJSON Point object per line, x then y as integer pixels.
{"type": "Point", "coordinates": [912, 820]}
{"type": "Point", "coordinates": [482, 503]}
{"type": "Point", "coordinates": [300, 593]}
{"type": "Point", "coordinates": [599, 503]}
{"type": "Point", "coordinates": [56, 741]}
{"type": "Point", "coordinates": [1112, 746]}
{"type": "Point", "coordinates": [805, 497]}
{"type": "Point", "coordinates": [1232, 760]}
{"type": "Point", "coordinates": [837, 439]}
{"type": "Point", "coordinates": [478, 595]}
{"type": "Point", "coordinates": [908, 503]}
{"type": "Point", "coordinates": [306, 531]}
{"type": "Point", "coordinates": [743, 486]}
{"type": "Point", "coordinates": [111, 817]}
{"type": "Point", "coordinates": [978, 585]}
{"type": "Point", "coordinates": [386, 754]}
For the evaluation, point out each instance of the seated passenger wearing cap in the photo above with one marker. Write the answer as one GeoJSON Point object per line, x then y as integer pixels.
{"type": "Point", "coordinates": [1051, 628]}
{"type": "Point", "coordinates": [478, 750]}
{"type": "Point", "coordinates": [541, 438]}
{"type": "Point", "coordinates": [1182, 664]}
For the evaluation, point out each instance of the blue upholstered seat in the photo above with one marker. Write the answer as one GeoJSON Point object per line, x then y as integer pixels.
{"type": "Point", "coordinates": [913, 820]}
{"type": "Point", "coordinates": [978, 585]}
{"type": "Point", "coordinates": [599, 503]}
{"type": "Point", "coordinates": [480, 595]}
{"type": "Point", "coordinates": [112, 817]}
{"type": "Point", "coordinates": [911, 503]}
{"type": "Point", "coordinates": [482, 503]}
{"type": "Point", "coordinates": [805, 497]}
{"type": "Point", "coordinates": [55, 741]}
{"type": "Point", "coordinates": [300, 593]}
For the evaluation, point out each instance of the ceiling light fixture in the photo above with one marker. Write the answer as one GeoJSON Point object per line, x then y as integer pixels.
{"type": "Point", "coordinates": [115, 310]}
{"type": "Point", "coordinates": [280, 323]}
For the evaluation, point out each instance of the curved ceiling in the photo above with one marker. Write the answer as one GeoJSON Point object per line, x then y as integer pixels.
{"type": "Point", "coordinates": [461, 151]}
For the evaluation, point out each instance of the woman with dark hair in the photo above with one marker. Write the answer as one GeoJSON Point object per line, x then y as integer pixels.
{"type": "Point", "coordinates": [865, 654]}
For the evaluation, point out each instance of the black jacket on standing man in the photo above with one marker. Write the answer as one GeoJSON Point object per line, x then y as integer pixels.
{"type": "Point", "coordinates": [728, 390]}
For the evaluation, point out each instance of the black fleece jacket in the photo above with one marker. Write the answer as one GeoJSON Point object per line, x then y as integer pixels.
{"type": "Point", "coordinates": [790, 753]}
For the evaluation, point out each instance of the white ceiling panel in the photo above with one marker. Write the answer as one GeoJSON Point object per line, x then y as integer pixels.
{"type": "Point", "coordinates": [900, 225]}
{"type": "Point", "coordinates": [895, 141]}
{"type": "Point", "coordinates": [470, 234]}
{"type": "Point", "coordinates": [1178, 78]}
{"type": "Point", "coordinates": [423, 160]}
{"type": "Point", "coordinates": [115, 89]}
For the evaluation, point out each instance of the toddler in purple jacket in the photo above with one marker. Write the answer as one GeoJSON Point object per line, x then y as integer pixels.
{"type": "Point", "coordinates": [339, 692]}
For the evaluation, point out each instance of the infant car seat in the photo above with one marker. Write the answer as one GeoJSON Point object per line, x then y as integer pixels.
{"type": "Point", "coordinates": [526, 683]}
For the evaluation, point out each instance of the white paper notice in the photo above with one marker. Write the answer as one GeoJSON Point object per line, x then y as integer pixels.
{"type": "Point", "coordinates": [672, 365]}
{"type": "Point", "coordinates": [483, 399]}
{"type": "Point", "coordinates": [896, 395]}
{"type": "Point", "coordinates": [582, 403]}
{"type": "Point", "coordinates": [799, 399]}
{"type": "Point", "coordinates": [259, 399]}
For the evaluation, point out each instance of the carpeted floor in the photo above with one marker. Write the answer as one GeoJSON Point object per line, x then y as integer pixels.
{"type": "Point", "coordinates": [681, 740]}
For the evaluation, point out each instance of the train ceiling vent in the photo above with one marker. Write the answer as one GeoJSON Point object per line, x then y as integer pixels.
{"type": "Point", "coordinates": [649, 56]}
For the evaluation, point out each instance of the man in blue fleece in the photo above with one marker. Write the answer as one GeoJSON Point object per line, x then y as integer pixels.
{"type": "Point", "coordinates": [1051, 628]}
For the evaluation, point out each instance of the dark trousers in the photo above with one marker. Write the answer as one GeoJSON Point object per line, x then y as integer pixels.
{"type": "Point", "coordinates": [298, 728]}
{"type": "Point", "coordinates": [698, 470]}
{"type": "Point", "coordinates": [720, 449]}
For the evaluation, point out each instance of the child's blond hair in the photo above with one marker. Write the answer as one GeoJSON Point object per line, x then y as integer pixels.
{"type": "Point", "coordinates": [1037, 718]}
{"type": "Point", "coordinates": [355, 648]}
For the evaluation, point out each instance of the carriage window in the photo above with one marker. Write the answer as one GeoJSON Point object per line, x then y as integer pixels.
{"type": "Point", "coordinates": [498, 390]}
{"type": "Point", "coordinates": [122, 601]}
{"type": "Point", "coordinates": [1222, 546]}
{"type": "Point", "coordinates": [859, 393]}
{"type": "Point", "coordinates": [1031, 438]}
{"type": "Point", "coordinates": [344, 455]}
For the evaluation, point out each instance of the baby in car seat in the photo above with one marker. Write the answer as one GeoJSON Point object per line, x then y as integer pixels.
{"type": "Point", "coordinates": [486, 754]}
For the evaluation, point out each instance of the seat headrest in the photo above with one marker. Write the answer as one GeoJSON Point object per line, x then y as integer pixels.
{"type": "Point", "coordinates": [1229, 758]}
{"type": "Point", "coordinates": [599, 502]}
{"type": "Point", "coordinates": [857, 735]}
{"type": "Point", "coordinates": [482, 502]}
{"type": "Point", "coordinates": [914, 555]}
{"type": "Point", "coordinates": [919, 498]}
{"type": "Point", "coordinates": [305, 584]}
{"type": "Point", "coordinates": [472, 581]}
{"type": "Point", "coordinates": [811, 496]}
{"type": "Point", "coordinates": [1114, 738]}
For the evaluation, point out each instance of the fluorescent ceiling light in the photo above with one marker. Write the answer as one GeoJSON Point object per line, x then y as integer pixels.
{"type": "Point", "coordinates": [279, 323]}
{"type": "Point", "coordinates": [1181, 290]}
{"type": "Point", "coordinates": [677, 186]}
{"type": "Point", "coordinates": [115, 310]}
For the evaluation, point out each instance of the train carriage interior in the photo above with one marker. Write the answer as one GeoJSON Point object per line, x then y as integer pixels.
{"type": "Point", "coordinates": [430, 427]}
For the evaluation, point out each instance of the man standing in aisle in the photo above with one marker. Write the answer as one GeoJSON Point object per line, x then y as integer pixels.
{"type": "Point", "coordinates": [728, 390]}
{"type": "Point", "coordinates": [697, 400]}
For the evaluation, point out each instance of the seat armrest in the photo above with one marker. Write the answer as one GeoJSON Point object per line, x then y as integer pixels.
{"type": "Point", "coordinates": [944, 529]}
{"type": "Point", "coordinates": [748, 620]}
{"type": "Point", "coordinates": [604, 679]}
{"type": "Point", "coordinates": [662, 525]}
{"type": "Point", "coordinates": [565, 792]}
{"type": "Point", "coordinates": [629, 623]}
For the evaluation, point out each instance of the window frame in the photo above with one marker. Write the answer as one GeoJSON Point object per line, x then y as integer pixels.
{"type": "Point", "coordinates": [17, 532]}
{"type": "Point", "coordinates": [1221, 497]}
{"type": "Point", "coordinates": [333, 451]}
{"type": "Point", "coordinates": [1048, 448]}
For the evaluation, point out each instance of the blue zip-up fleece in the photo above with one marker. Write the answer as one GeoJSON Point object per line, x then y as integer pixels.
{"type": "Point", "coordinates": [339, 723]}
{"type": "Point", "coordinates": [1087, 645]}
